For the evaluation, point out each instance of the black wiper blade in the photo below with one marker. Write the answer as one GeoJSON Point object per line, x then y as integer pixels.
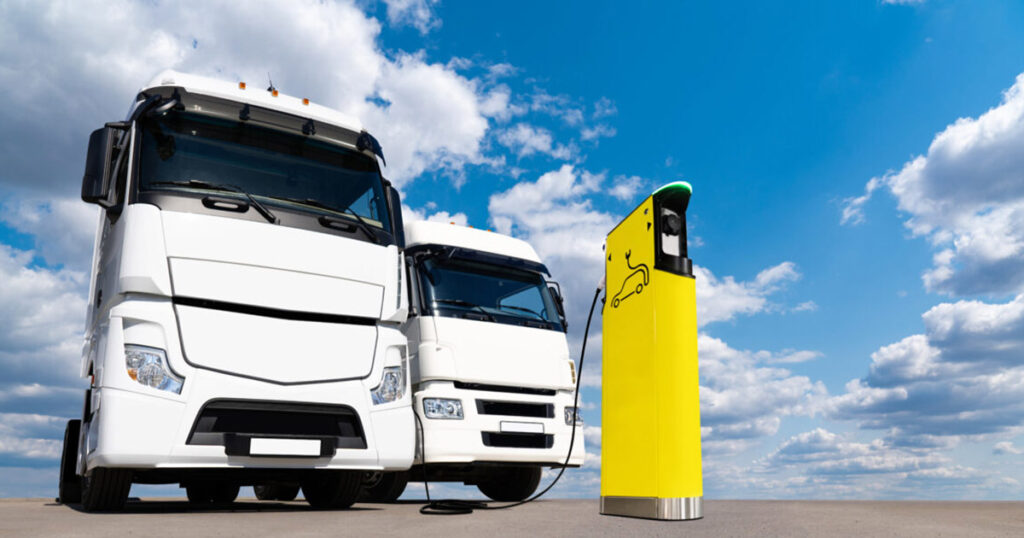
{"type": "Point", "coordinates": [467, 304]}
{"type": "Point", "coordinates": [363, 225]}
{"type": "Point", "coordinates": [197, 184]}
{"type": "Point", "coordinates": [521, 309]}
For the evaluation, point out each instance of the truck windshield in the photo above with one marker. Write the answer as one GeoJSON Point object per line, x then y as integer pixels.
{"type": "Point", "coordinates": [487, 292]}
{"type": "Point", "coordinates": [189, 152]}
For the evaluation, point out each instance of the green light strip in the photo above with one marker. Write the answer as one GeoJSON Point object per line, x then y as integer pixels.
{"type": "Point", "coordinates": [675, 185]}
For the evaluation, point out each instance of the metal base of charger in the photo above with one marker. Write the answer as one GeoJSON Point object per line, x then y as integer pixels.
{"type": "Point", "coordinates": [671, 509]}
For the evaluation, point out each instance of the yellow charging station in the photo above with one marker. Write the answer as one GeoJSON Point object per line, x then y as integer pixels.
{"type": "Point", "coordinates": [650, 409]}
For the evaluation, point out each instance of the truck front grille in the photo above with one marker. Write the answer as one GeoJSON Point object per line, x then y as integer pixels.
{"type": "Point", "coordinates": [515, 409]}
{"type": "Point", "coordinates": [220, 420]}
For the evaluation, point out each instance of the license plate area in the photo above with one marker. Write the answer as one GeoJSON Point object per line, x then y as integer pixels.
{"type": "Point", "coordinates": [282, 447]}
{"type": "Point", "coordinates": [510, 426]}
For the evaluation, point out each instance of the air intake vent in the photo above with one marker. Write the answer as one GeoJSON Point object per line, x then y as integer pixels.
{"type": "Point", "coordinates": [221, 420]}
{"type": "Point", "coordinates": [518, 440]}
{"type": "Point", "coordinates": [515, 409]}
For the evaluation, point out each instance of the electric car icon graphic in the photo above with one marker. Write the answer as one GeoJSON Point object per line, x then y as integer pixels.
{"type": "Point", "coordinates": [633, 283]}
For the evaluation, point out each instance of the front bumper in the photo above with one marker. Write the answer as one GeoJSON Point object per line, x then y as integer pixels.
{"type": "Point", "coordinates": [464, 441]}
{"type": "Point", "coordinates": [138, 427]}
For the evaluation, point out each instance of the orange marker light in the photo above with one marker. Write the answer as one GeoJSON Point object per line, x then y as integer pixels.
{"type": "Point", "coordinates": [241, 85]}
{"type": "Point", "coordinates": [273, 92]}
{"type": "Point", "coordinates": [305, 101]}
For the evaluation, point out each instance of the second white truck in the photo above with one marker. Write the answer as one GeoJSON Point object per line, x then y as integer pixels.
{"type": "Point", "coordinates": [492, 378]}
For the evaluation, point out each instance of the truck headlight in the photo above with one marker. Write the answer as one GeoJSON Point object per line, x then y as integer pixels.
{"type": "Point", "coordinates": [442, 408]}
{"type": "Point", "coordinates": [148, 366]}
{"type": "Point", "coordinates": [391, 387]}
{"type": "Point", "coordinates": [573, 412]}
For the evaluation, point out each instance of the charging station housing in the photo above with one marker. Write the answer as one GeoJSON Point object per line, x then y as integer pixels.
{"type": "Point", "coordinates": [650, 422]}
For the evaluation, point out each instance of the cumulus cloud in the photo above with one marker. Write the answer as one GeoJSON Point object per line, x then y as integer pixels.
{"type": "Point", "coordinates": [966, 195]}
{"type": "Point", "coordinates": [743, 399]}
{"type": "Point", "coordinates": [597, 131]}
{"type": "Point", "coordinates": [409, 214]}
{"type": "Point", "coordinates": [1006, 447]}
{"type": "Point", "coordinates": [627, 187]}
{"type": "Point", "coordinates": [526, 140]}
{"type": "Point", "coordinates": [69, 74]}
{"type": "Point", "coordinates": [416, 13]}
{"type": "Point", "coordinates": [962, 378]}
{"type": "Point", "coordinates": [722, 299]}
{"type": "Point", "coordinates": [63, 228]}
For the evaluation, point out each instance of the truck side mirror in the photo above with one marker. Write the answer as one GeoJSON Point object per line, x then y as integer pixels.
{"type": "Point", "coordinates": [556, 293]}
{"type": "Point", "coordinates": [99, 164]}
{"type": "Point", "coordinates": [395, 208]}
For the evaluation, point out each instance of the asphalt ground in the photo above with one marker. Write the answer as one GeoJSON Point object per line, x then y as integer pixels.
{"type": "Point", "coordinates": [251, 518]}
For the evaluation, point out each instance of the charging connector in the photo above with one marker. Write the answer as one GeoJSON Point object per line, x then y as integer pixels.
{"type": "Point", "coordinates": [451, 507]}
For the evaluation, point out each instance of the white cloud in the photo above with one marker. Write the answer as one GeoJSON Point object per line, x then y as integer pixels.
{"type": "Point", "coordinates": [427, 115]}
{"type": "Point", "coordinates": [526, 140]}
{"type": "Point", "coordinates": [409, 214]}
{"type": "Point", "coordinates": [725, 298]}
{"type": "Point", "coordinates": [741, 399]}
{"type": "Point", "coordinates": [966, 195]}
{"type": "Point", "coordinates": [963, 378]}
{"type": "Point", "coordinates": [597, 131]}
{"type": "Point", "coordinates": [626, 187]}
{"type": "Point", "coordinates": [42, 312]}
{"type": "Point", "coordinates": [806, 306]}
{"type": "Point", "coordinates": [63, 228]}
{"type": "Point", "coordinates": [603, 108]}
{"type": "Point", "coordinates": [1006, 447]}
{"type": "Point", "coordinates": [416, 13]}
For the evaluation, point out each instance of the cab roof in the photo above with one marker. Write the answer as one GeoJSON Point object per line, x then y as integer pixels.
{"type": "Point", "coordinates": [253, 94]}
{"type": "Point", "coordinates": [423, 232]}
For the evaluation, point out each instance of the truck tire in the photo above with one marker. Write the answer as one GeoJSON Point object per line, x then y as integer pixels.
{"type": "Point", "coordinates": [333, 489]}
{"type": "Point", "coordinates": [276, 492]}
{"type": "Point", "coordinates": [105, 489]}
{"type": "Point", "coordinates": [212, 493]}
{"type": "Point", "coordinates": [511, 484]}
{"type": "Point", "coordinates": [69, 486]}
{"type": "Point", "coordinates": [383, 487]}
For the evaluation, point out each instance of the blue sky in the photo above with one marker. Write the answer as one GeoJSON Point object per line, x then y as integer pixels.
{"type": "Point", "coordinates": [857, 222]}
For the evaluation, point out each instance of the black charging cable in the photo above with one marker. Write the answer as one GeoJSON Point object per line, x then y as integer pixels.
{"type": "Point", "coordinates": [452, 507]}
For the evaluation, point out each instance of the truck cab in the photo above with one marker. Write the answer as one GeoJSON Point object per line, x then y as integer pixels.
{"type": "Point", "coordinates": [246, 302]}
{"type": "Point", "coordinates": [493, 383]}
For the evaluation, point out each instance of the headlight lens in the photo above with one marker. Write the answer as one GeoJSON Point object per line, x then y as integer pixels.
{"type": "Point", "coordinates": [442, 408]}
{"type": "Point", "coordinates": [148, 366]}
{"type": "Point", "coordinates": [570, 413]}
{"type": "Point", "coordinates": [391, 387]}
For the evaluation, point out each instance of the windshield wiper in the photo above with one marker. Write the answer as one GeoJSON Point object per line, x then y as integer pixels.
{"type": "Point", "coordinates": [521, 309]}
{"type": "Point", "coordinates": [363, 225]}
{"type": "Point", "coordinates": [197, 184]}
{"type": "Point", "coordinates": [467, 304]}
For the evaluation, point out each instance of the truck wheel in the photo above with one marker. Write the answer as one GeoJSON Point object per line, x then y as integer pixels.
{"type": "Point", "coordinates": [69, 487]}
{"type": "Point", "coordinates": [199, 494]}
{"type": "Point", "coordinates": [511, 484]}
{"type": "Point", "coordinates": [276, 492]}
{"type": "Point", "coordinates": [383, 487]}
{"type": "Point", "coordinates": [105, 489]}
{"type": "Point", "coordinates": [333, 489]}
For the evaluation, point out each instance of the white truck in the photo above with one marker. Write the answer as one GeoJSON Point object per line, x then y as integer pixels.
{"type": "Point", "coordinates": [492, 378]}
{"type": "Point", "coordinates": [244, 325]}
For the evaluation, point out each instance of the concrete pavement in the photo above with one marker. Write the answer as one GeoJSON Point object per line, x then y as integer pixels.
{"type": "Point", "coordinates": [248, 517]}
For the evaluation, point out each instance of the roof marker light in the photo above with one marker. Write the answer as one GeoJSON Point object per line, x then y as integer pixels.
{"type": "Point", "coordinates": [305, 101]}
{"type": "Point", "coordinates": [273, 92]}
{"type": "Point", "coordinates": [241, 85]}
